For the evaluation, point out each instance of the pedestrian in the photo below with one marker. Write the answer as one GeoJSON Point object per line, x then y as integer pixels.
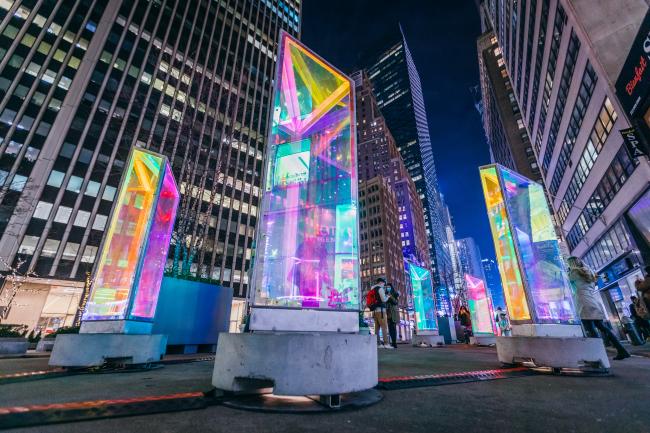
{"type": "Point", "coordinates": [640, 315]}
{"type": "Point", "coordinates": [466, 322]}
{"type": "Point", "coordinates": [501, 319]}
{"type": "Point", "coordinates": [376, 302]}
{"type": "Point", "coordinates": [589, 307]}
{"type": "Point", "coordinates": [393, 313]}
{"type": "Point", "coordinates": [643, 287]}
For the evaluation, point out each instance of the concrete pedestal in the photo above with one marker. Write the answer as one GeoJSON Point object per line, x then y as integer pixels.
{"type": "Point", "coordinates": [45, 345]}
{"type": "Point", "coordinates": [483, 340]}
{"type": "Point", "coordinates": [554, 352]}
{"type": "Point", "coordinates": [89, 350]}
{"type": "Point", "coordinates": [13, 346]}
{"type": "Point", "coordinates": [296, 363]}
{"type": "Point", "coordinates": [428, 339]}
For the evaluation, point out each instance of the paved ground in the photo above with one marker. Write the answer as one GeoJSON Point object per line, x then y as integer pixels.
{"type": "Point", "coordinates": [527, 404]}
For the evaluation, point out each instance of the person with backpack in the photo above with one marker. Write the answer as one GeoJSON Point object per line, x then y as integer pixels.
{"type": "Point", "coordinates": [376, 301]}
{"type": "Point", "coordinates": [393, 313]}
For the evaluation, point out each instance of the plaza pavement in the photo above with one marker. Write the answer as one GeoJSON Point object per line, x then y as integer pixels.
{"type": "Point", "coordinates": [540, 403]}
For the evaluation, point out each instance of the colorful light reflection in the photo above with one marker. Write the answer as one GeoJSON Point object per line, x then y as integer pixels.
{"type": "Point", "coordinates": [423, 298]}
{"type": "Point", "coordinates": [308, 233]}
{"type": "Point", "coordinates": [134, 252]}
{"type": "Point", "coordinates": [480, 306]}
{"type": "Point", "coordinates": [519, 204]}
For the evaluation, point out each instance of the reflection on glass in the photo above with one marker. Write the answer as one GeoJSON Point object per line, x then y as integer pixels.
{"type": "Point", "coordinates": [307, 255]}
{"type": "Point", "coordinates": [480, 306]}
{"type": "Point", "coordinates": [142, 220]}
{"type": "Point", "coordinates": [423, 298]}
{"type": "Point", "coordinates": [531, 250]}
{"type": "Point", "coordinates": [513, 287]}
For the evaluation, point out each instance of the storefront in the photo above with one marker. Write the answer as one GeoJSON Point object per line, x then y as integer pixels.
{"type": "Point", "coordinates": [43, 304]}
{"type": "Point", "coordinates": [617, 287]}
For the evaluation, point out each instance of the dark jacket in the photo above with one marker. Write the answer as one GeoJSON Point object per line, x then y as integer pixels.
{"type": "Point", "coordinates": [392, 304]}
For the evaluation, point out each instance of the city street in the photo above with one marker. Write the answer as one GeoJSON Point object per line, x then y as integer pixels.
{"type": "Point", "coordinates": [538, 403]}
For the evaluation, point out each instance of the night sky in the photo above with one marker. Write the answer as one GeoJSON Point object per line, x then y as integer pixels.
{"type": "Point", "coordinates": [441, 35]}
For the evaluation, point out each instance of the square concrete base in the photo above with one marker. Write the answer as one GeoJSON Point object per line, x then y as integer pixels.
{"type": "Point", "coordinates": [296, 364]}
{"type": "Point", "coordinates": [89, 350]}
{"type": "Point", "coordinates": [429, 340]}
{"type": "Point", "coordinates": [13, 346]}
{"type": "Point", "coordinates": [554, 352]}
{"type": "Point", "coordinates": [483, 340]}
{"type": "Point", "coordinates": [547, 330]}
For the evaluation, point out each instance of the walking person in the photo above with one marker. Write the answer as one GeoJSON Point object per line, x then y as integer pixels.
{"type": "Point", "coordinates": [640, 315]}
{"type": "Point", "coordinates": [589, 308]}
{"type": "Point", "coordinates": [393, 313]}
{"type": "Point", "coordinates": [466, 322]}
{"type": "Point", "coordinates": [643, 286]}
{"type": "Point", "coordinates": [501, 319]}
{"type": "Point", "coordinates": [376, 301]}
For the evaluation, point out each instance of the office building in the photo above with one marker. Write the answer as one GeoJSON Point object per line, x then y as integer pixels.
{"type": "Point", "coordinates": [396, 85]}
{"type": "Point", "coordinates": [564, 58]}
{"type": "Point", "coordinates": [83, 81]}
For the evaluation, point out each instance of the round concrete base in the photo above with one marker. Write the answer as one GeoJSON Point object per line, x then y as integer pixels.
{"type": "Point", "coordinates": [296, 364]}
{"type": "Point", "coordinates": [307, 404]}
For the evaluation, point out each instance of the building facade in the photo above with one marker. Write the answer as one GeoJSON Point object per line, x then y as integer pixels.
{"type": "Point", "coordinates": [396, 85]}
{"type": "Point", "coordinates": [470, 258]}
{"type": "Point", "coordinates": [563, 58]}
{"type": "Point", "coordinates": [83, 81]}
{"type": "Point", "coordinates": [505, 130]}
{"type": "Point", "coordinates": [493, 282]}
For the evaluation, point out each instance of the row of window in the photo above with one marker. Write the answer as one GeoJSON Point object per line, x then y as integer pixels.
{"type": "Point", "coordinates": [599, 133]}
{"type": "Point", "coordinates": [587, 86]}
{"type": "Point", "coordinates": [558, 28]}
{"type": "Point", "coordinates": [613, 243]}
{"type": "Point", "coordinates": [529, 50]}
{"type": "Point", "coordinates": [618, 172]}
{"type": "Point", "coordinates": [562, 95]}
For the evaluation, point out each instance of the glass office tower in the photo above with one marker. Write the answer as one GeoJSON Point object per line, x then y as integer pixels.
{"type": "Point", "coordinates": [83, 81]}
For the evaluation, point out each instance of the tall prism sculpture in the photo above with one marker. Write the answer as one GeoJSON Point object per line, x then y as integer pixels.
{"type": "Point", "coordinates": [305, 276]}
{"type": "Point", "coordinates": [424, 304]}
{"type": "Point", "coordinates": [537, 290]}
{"type": "Point", "coordinates": [481, 311]}
{"type": "Point", "coordinates": [128, 274]}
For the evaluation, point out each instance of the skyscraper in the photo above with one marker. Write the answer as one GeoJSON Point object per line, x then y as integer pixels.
{"type": "Point", "coordinates": [563, 58]}
{"type": "Point", "coordinates": [504, 127]}
{"type": "Point", "coordinates": [396, 84]}
{"type": "Point", "coordinates": [84, 81]}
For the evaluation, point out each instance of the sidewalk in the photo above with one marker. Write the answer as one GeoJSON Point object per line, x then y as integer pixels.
{"type": "Point", "coordinates": [539, 403]}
